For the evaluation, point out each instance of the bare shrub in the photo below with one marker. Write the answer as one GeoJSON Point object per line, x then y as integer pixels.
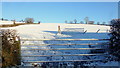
{"type": "Point", "coordinates": [29, 20]}
{"type": "Point", "coordinates": [115, 38]}
{"type": "Point", "coordinates": [10, 48]}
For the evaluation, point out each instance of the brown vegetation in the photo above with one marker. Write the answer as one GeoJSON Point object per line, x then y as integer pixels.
{"type": "Point", "coordinates": [17, 24]}
{"type": "Point", "coordinates": [10, 48]}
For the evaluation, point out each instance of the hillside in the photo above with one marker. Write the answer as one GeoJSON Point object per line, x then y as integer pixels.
{"type": "Point", "coordinates": [8, 22]}
{"type": "Point", "coordinates": [37, 29]}
{"type": "Point", "coordinates": [50, 31]}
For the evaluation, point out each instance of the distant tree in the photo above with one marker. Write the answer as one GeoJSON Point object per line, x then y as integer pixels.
{"type": "Point", "coordinates": [29, 20]}
{"type": "Point", "coordinates": [108, 23]}
{"type": "Point", "coordinates": [71, 22]}
{"type": "Point", "coordinates": [104, 23]}
{"type": "Point", "coordinates": [22, 21]}
{"type": "Point", "coordinates": [98, 23]}
{"type": "Point", "coordinates": [2, 19]}
{"type": "Point", "coordinates": [81, 22]}
{"type": "Point", "coordinates": [86, 20]}
{"type": "Point", "coordinates": [65, 21]}
{"type": "Point", "coordinates": [39, 22]}
{"type": "Point", "coordinates": [12, 20]}
{"type": "Point", "coordinates": [75, 21]}
{"type": "Point", "coordinates": [5, 19]}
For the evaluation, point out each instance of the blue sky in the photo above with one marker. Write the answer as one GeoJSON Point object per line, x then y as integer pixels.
{"type": "Point", "coordinates": [58, 12]}
{"type": "Point", "coordinates": [60, 0]}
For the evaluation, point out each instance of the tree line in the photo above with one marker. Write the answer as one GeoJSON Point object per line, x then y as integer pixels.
{"type": "Point", "coordinates": [75, 21]}
{"type": "Point", "coordinates": [26, 20]}
{"type": "Point", "coordinates": [86, 21]}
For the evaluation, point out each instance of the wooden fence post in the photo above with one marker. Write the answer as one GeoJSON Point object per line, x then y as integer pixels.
{"type": "Point", "coordinates": [0, 51]}
{"type": "Point", "coordinates": [107, 30]}
{"type": "Point", "coordinates": [85, 32]}
{"type": "Point", "coordinates": [14, 22]}
{"type": "Point", "coordinates": [18, 39]}
{"type": "Point", "coordinates": [59, 31]}
{"type": "Point", "coordinates": [98, 30]}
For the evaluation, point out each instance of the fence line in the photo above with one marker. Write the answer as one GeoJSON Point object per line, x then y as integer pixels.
{"type": "Point", "coordinates": [63, 39]}
{"type": "Point", "coordinates": [68, 44]}
{"type": "Point", "coordinates": [66, 49]}
{"type": "Point", "coordinates": [61, 61]}
{"type": "Point", "coordinates": [62, 55]}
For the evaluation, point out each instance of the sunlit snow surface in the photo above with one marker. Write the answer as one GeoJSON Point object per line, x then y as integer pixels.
{"type": "Point", "coordinates": [8, 22]}
{"type": "Point", "coordinates": [49, 31]}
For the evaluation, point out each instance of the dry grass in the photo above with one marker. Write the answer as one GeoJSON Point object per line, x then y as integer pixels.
{"type": "Point", "coordinates": [10, 49]}
{"type": "Point", "coordinates": [13, 25]}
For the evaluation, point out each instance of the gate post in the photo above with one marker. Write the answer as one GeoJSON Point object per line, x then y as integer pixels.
{"type": "Point", "coordinates": [0, 51]}
{"type": "Point", "coordinates": [14, 22]}
{"type": "Point", "coordinates": [19, 41]}
{"type": "Point", "coordinates": [59, 31]}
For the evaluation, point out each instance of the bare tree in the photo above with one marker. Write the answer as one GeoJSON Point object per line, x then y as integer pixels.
{"type": "Point", "coordinates": [71, 22]}
{"type": "Point", "coordinates": [86, 20]}
{"type": "Point", "coordinates": [104, 23]}
{"type": "Point", "coordinates": [29, 20]}
{"type": "Point", "coordinates": [21, 20]}
{"type": "Point", "coordinates": [39, 22]}
{"type": "Point", "coordinates": [2, 19]}
{"type": "Point", "coordinates": [98, 23]}
{"type": "Point", "coordinates": [65, 21]}
{"type": "Point", "coordinates": [81, 22]}
{"type": "Point", "coordinates": [75, 21]}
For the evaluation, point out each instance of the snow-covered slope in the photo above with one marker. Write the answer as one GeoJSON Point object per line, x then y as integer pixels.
{"type": "Point", "coordinates": [8, 22]}
{"type": "Point", "coordinates": [50, 31]}
{"type": "Point", "coordinates": [37, 29]}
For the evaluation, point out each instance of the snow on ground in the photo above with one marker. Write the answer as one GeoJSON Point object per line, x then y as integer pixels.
{"type": "Point", "coordinates": [50, 31]}
{"type": "Point", "coordinates": [8, 22]}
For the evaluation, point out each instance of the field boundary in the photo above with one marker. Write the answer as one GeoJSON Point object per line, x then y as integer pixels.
{"type": "Point", "coordinates": [64, 49]}
{"type": "Point", "coordinates": [13, 25]}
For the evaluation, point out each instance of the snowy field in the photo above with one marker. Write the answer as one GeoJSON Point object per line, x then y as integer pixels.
{"type": "Point", "coordinates": [68, 31]}
{"type": "Point", "coordinates": [8, 22]}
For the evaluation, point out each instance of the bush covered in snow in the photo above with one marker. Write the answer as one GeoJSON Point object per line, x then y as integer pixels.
{"type": "Point", "coordinates": [115, 38]}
